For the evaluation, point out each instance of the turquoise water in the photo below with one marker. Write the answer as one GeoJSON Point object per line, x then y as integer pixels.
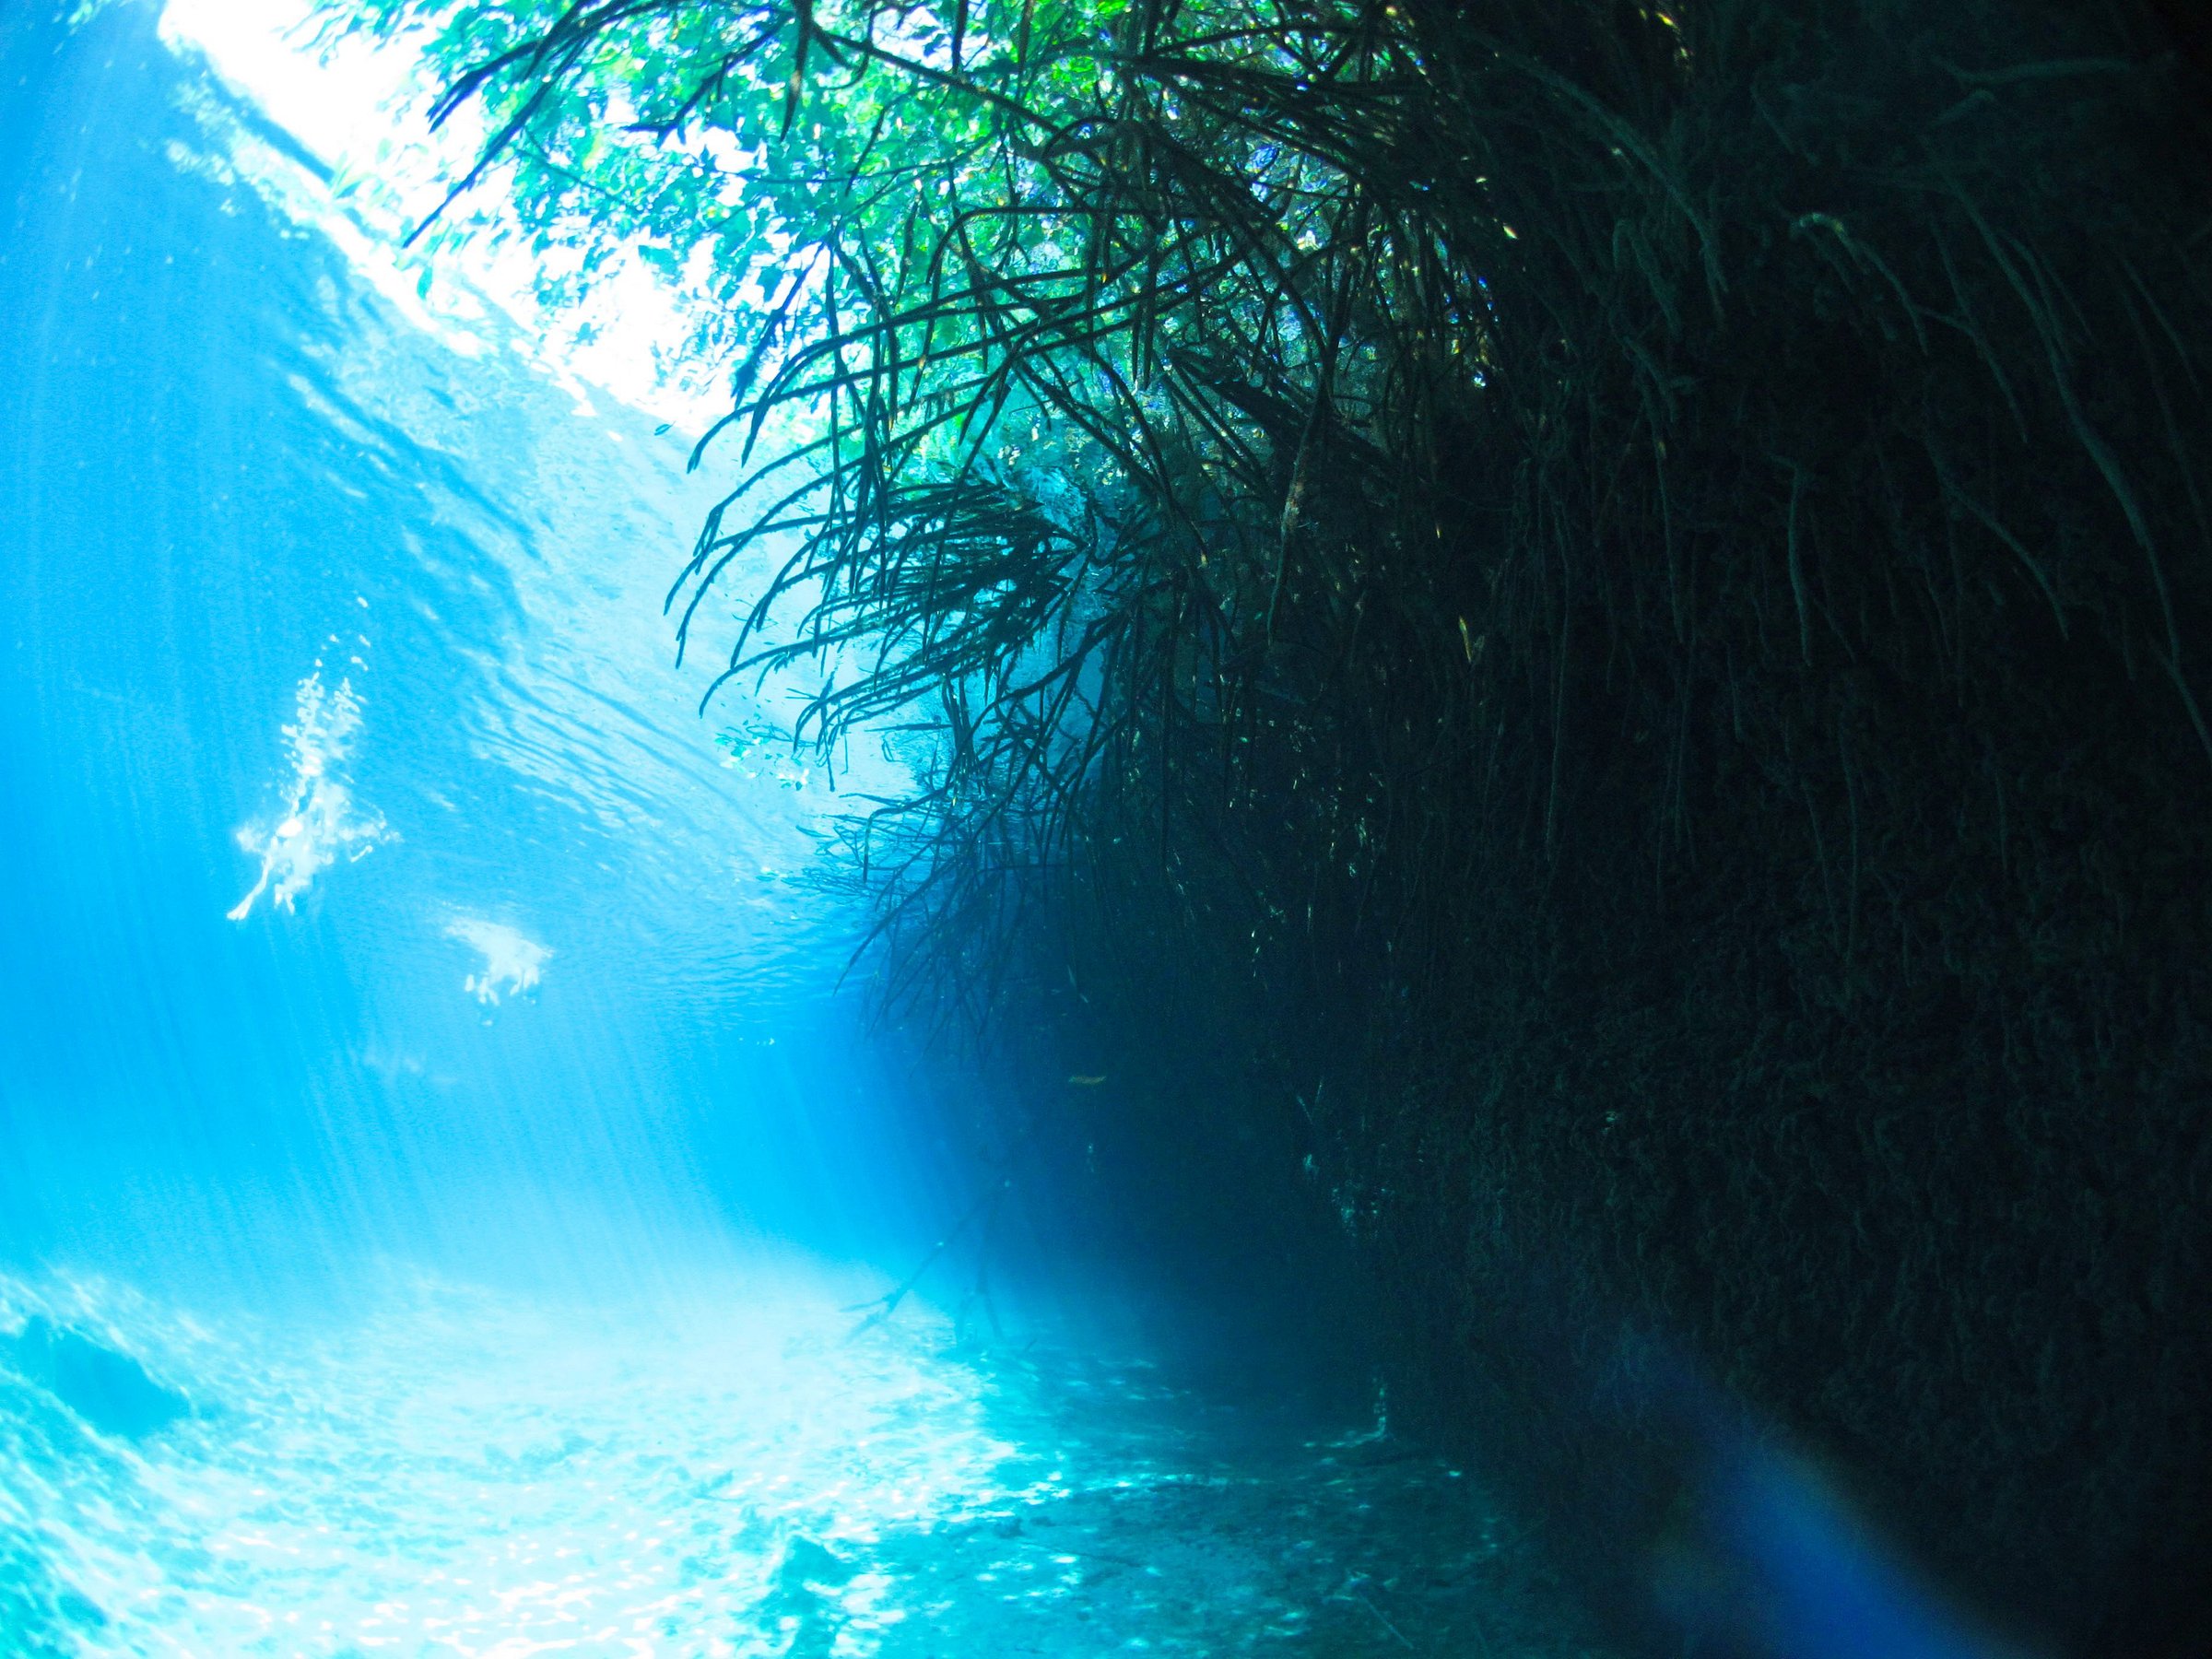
{"type": "Point", "coordinates": [438, 1183]}
{"type": "Point", "coordinates": [374, 880]}
{"type": "Point", "coordinates": [725, 1470]}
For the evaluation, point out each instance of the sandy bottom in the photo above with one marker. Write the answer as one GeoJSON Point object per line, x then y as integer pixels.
{"type": "Point", "coordinates": [463, 1472]}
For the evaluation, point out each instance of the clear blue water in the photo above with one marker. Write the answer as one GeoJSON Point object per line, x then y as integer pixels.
{"type": "Point", "coordinates": [420, 1084]}
{"type": "Point", "coordinates": [235, 483]}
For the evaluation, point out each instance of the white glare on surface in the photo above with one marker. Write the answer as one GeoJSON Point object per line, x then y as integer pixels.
{"type": "Point", "coordinates": [362, 110]}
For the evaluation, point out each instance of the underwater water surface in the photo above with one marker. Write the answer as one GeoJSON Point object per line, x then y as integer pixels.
{"type": "Point", "coordinates": [374, 878]}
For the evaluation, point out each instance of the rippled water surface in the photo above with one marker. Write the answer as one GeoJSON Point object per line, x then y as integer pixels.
{"type": "Point", "coordinates": [372, 869]}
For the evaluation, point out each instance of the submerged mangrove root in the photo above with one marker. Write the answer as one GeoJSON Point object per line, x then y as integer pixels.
{"type": "Point", "coordinates": [983, 1213]}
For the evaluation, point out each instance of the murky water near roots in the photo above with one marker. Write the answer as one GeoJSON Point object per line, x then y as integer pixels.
{"type": "Point", "coordinates": [477, 1474]}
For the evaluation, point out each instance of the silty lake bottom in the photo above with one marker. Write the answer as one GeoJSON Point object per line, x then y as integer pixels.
{"type": "Point", "coordinates": [731, 1468]}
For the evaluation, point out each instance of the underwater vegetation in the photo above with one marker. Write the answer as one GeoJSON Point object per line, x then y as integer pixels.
{"type": "Point", "coordinates": [1585, 624]}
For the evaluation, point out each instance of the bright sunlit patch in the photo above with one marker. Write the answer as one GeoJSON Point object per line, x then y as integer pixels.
{"type": "Point", "coordinates": [480, 1476]}
{"type": "Point", "coordinates": [320, 823]}
{"type": "Point", "coordinates": [727, 1464]}
{"type": "Point", "coordinates": [512, 962]}
{"type": "Point", "coordinates": [362, 109]}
